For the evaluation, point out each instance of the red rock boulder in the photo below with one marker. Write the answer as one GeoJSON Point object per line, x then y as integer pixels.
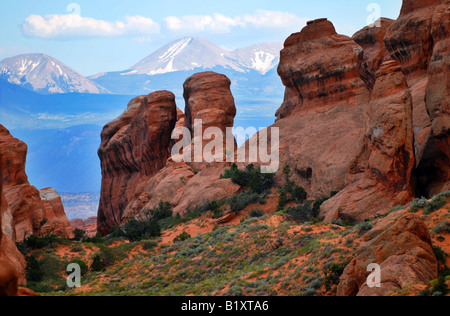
{"type": "Point", "coordinates": [401, 245]}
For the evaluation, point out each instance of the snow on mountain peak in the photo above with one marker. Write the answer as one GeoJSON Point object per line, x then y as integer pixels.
{"type": "Point", "coordinates": [191, 53]}
{"type": "Point", "coordinates": [42, 73]}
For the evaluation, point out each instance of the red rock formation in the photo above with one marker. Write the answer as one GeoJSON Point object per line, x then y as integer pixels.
{"type": "Point", "coordinates": [418, 41]}
{"type": "Point", "coordinates": [335, 132]}
{"type": "Point", "coordinates": [89, 225]}
{"type": "Point", "coordinates": [12, 262]}
{"type": "Point", "coordinates": [208, 98]}
{"type": "Point", "coordinates": [27, 211]}
{"type": "Point", "coordinates": [134, 148]}
{"type": "Point", "coordinates": [54, 215]}
{"type": "Point", "coordinates": [371, 39]}
{"type": "Point", "coordinates": [388, 160]}
{"type": "Point", "coordinates": [322, 119]}
{"type": "Point", "coordinates": [129, 192]}
{"type": "Point", "coordinates": [401, 245]}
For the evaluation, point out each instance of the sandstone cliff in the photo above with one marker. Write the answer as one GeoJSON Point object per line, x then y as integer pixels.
{"type": "Point", "coordinates": [29, 211]}
{"type": "Point", "coordinates": [368, 116]}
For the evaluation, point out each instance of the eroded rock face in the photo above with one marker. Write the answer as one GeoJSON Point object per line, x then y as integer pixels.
{"type": "Point", "coordinates": [401, 245]}
{"type": "Point", "coordinates": [54, 215]}
{"type": "Point", "coordinates": [437, 94]}
{"type": "Point", "coordinates": [371, 40]}
{"type": "Point", "coordinates": [322, 119]}
{"type": "Point", "coordinates": [417, 40]}
{"type": "Point", "coordinates": [12, 262]}
{"type": "Point", "coordinates": [368, 116]}
{"type": "Point", "coordinates": [388, 159]}
{"type": "Point", "coordinates": [26, 208]}
{"type": "Point", "coordinates": [134, 148]}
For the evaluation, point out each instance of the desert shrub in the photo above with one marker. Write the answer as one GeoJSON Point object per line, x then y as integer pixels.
{"type": "Point", "coordinates": [97, 264]}
{"type": "Point", "coordinates": [215, 209]}
{"type": "Point", "coordinates": [440, 287]}
{"type": "Point", "coordinates": [332, 273]}
{"type": "Point", "coordinates": [35, 242]}
{"type": "Point", "coordinates": [436, 203]}
{"type": "Point", "coordinates": [440, 254]}
{"type": "Point", "coordinates": [164, 210]}
{"type": "Point", "coordinates": [282, 200]}
{"type": "Point", "coordinates": [418, 204]}
{"type": "Point", "coordinates": [299, 194]}
{"type": "Point", "coordinates": [77, 249]}
{"type": "Point", "coordinates": [241, 201]}
{"type": "Point", "coordinates": [316, 284]}
{"type": "Point", "coordinates": [149, 244]}
{"type": "Point", "coordinates": [33, 270]}
{"type": "Point", "coordinates": [136, 230]}
{"type": "Point", "coordinates": [442, 228]}
{"type": "Point", "coordinates": [116, 232]}
{"type": "Point", "coordinates": [182, 237]}
{"type": "Point", "coordinates": [302, 213]}
{"type": "Point", "coordinates": [255, 213]}
{"type": "Point", "coordinates": [251, 178]}
{"type": "Point", "coordinates": [97, 239]}
{"type": "Point", "coordinates": [364, 227]}
{"type": "Point", "coordinates": [79, 234]}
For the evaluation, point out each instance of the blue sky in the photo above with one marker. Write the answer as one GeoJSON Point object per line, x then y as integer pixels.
{"type": "Point", "coordinates": [95, 36]}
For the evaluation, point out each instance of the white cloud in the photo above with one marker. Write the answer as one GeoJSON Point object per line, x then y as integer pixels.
{"type": "Point", "coordinates": [75, 26]}
{"type": "Point", "coordinates": [221, 23]}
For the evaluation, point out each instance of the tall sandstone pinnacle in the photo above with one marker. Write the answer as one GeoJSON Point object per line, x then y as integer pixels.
{"type": "Point", "coordinates": [134, 148]}
{"type": "Point", "coordinates": [138, 171]}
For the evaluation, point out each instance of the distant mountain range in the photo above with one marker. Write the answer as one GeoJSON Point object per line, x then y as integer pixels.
{"type": "Point", "coordinates": [59, 113]}
{"type": "Point", "coordinates": [44, 74]}
{"type": "Point", "coordinates": [252, 70]}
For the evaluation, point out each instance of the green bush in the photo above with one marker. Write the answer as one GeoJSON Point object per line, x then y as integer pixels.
{"type": "Point", "coordinates": [149, 244]}
{"type": "Point", "coordinates": [440, 254]}
{"type": "Point", "coordinates": [33, 270]}
{"type": "Point", "coordinates": [138, 230]}
{"type": "Point", "coordinates": [302, 213]}
{"type": "Point", "coordinates": [35, 242]}
{"type": "Point", "coordinates": [182, 237]}
{"type": "Point", "coordinates": [256, 213]}
{"type": "Point", "coordinates": [282, 200]}
{"type": "Point", "coordinates": [241, 201]}
{"type": "Point", "coordinates": [364, 227]}
{"type": "Point", "coordinates": [97, 264]}
{"type": "Point", "coordinates": [436, 203]}
{"type": "Point", "coordinates": [251, 178]}
{"type": "Point", "coordinates": [442, 228]}
{"type": "Point", "coordinates": [332, 273]}
{"type": "Point", "coordinates": [79, 234]}
{"type": "Point", "coordinates": [164, 210]}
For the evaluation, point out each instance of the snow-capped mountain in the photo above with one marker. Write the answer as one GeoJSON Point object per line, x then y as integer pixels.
{"type": "Point", "coordinates": [186, 54]}
{"type": "Point", "coordinates": [45, 74]}
{"type": "Point", "coordinates": [261, 58]}
{"type": "Point", "coordinates": [195, 53]}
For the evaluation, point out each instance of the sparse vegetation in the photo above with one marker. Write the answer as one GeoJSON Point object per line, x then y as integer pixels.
{"type": "Point", "coordinates": [250, 178]}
